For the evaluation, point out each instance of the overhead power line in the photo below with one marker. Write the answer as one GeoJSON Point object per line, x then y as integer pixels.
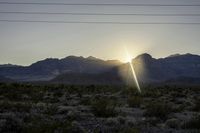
{"type": "Point", "coordinates": [95, 4]}
{"type": "Point", "coordinates": [97, 14]}
{"type": "Point", "coordinates": [99, 22]}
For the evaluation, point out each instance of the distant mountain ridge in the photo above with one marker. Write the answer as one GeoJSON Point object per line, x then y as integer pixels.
{"type": "Point", "coordinates": [171, 67]}
{"type": "Point", "coordinates": [8, 65]}
{"type": "Point", "coordinates": [3, 79]}
{"type": "Point", "coordinates": [77, 70]}
{"type": "Point", "coordinates": [51, 67]}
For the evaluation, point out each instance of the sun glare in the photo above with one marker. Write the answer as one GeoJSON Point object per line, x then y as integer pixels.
{"type": "Point", "coordinates": [129, 60]}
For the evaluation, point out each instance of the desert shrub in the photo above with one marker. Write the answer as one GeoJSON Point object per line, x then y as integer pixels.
{"type": "Point", "coordinates": [15, 96]}
{"type": "Point", "coordinates": [15, 85]}
{"type": "Point", "coordinates": [134, 101]}
{"type": "Point", "coordinates": [130, 130]}
{"type": "Point", "coordinates": [179, 108]}
{"type": "Point", "coordinates": [152, 92]}
{"type": "Point", "coordinates": [158, 109]}
{"type": "Point", "coordinates": [194, 123]}
{"type": "Point", "coordinates": [36, 96]}
{"type": "Point", "coordinates": [58, 93]}
{"type": "Point", "coordinates": [197, 105]}
{"type": "Point", "coordinates": [40, 126]}
{"type": "Point", "coordinates": [85, 101]}
{"type": "Point", "coordinates": [178, 93]}
{"type": "Point", "coordinates": [51, 110]}
{"type": "Point", "coordinates": [130, 91]}
{"type": "Point", "coordinates": [104, 107]}
{"type": "Point", "coordinates": [173, 123]}
{"type": "Point", "coordinates": [19, 107]}
{"type": "Point", "coordinates": [10, 125]}
{"type": "Point", "coordinates": [51, 99]}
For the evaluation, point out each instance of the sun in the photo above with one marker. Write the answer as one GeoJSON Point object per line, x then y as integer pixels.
{"type": "Point", "coordinates": [128, 57]}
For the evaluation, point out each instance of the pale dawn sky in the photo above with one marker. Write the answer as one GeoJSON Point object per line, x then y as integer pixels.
{"type": "Point", "coordinates": [24, 43]}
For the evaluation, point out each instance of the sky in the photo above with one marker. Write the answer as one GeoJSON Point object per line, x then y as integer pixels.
{"type": "Point", "coordinates": [26, 43]}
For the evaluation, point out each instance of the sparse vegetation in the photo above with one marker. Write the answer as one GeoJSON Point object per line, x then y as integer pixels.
{"type": "Point", "coordinates": [47, 127]}
{"type": "Point", "coordinates": [158, 109]}
{"type": "Point", "coordinates": [197, 105]}
{"type": "Point", "coordinates": [131, 130]}
{"type": "Point", "coordinates": [134, 101]}
{"type": "Point", "coordinates": [104, 107]}
{"type": "Point", "coordinates": [193, 123]}
{"type": "Point", "coordinates": [70, 108]}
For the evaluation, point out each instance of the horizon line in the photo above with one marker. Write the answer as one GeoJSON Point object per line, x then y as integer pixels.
{"type": "Point", "coordinates": [98, 58]}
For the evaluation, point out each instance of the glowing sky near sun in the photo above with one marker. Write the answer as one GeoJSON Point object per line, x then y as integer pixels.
{"type": "Point", "coordinates": [129, 60]}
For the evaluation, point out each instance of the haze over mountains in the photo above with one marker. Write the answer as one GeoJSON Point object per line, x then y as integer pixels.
{"type": "Point", "coordinates": [79, 70]}
{"type": "Point", "coordinates": [172, 68]}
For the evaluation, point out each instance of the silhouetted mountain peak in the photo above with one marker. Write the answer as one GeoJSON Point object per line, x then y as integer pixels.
{"type": "Point", "coordinates": [174, 55]}
{"type": "Point", "coordinates": [184, 58]}
{"type": "Point", "coordinates": [189, 54]}
{"type": "Point", "coordinates": [8, 65]}
{"type": "Point", "coordinates": [92, 58]}
{"type": "Point", "coordinates": [73, 57]}
{"type": "Point", "coordinates": [144, 56]}
{"type": "Point", "coordinates": [187, 65]}
{"type": "Point", "coordinates": [47, 61]}
{"type": "Point", "coordinates": [182, 55]}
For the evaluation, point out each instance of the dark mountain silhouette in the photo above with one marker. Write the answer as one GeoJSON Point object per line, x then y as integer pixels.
{"type": "Point", "coordinates": [8, 65]}
{"type": "Point", "coordinates": [80, 70]}
{"type": "Point", "coordinates": [184, 80]}
{"type": "Point", "coordinates": [50, 68]}
{"type": "Point", "coordinates": [3, 79]}
{"type": "Point", "coordinates": [163, 69]}
{"type": "Point", "coordinates": [89, 78]}
{"type": "Point", "coordinates": [172, 69]}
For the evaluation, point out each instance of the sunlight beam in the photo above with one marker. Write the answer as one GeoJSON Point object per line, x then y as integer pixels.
{"type": "Point", "coordinates": [129, 59]}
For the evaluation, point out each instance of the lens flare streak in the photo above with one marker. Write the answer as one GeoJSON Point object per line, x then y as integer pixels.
{"type": "Point", "coordinates": [133, 70]}
{"type": "Point", "coordinates": [135, 77]}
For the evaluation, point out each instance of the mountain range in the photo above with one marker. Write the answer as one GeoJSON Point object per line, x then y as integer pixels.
{"type": "Point", "coordinates": [79, 70]}
{"type": "Point", "coordinates": [48, 69]}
